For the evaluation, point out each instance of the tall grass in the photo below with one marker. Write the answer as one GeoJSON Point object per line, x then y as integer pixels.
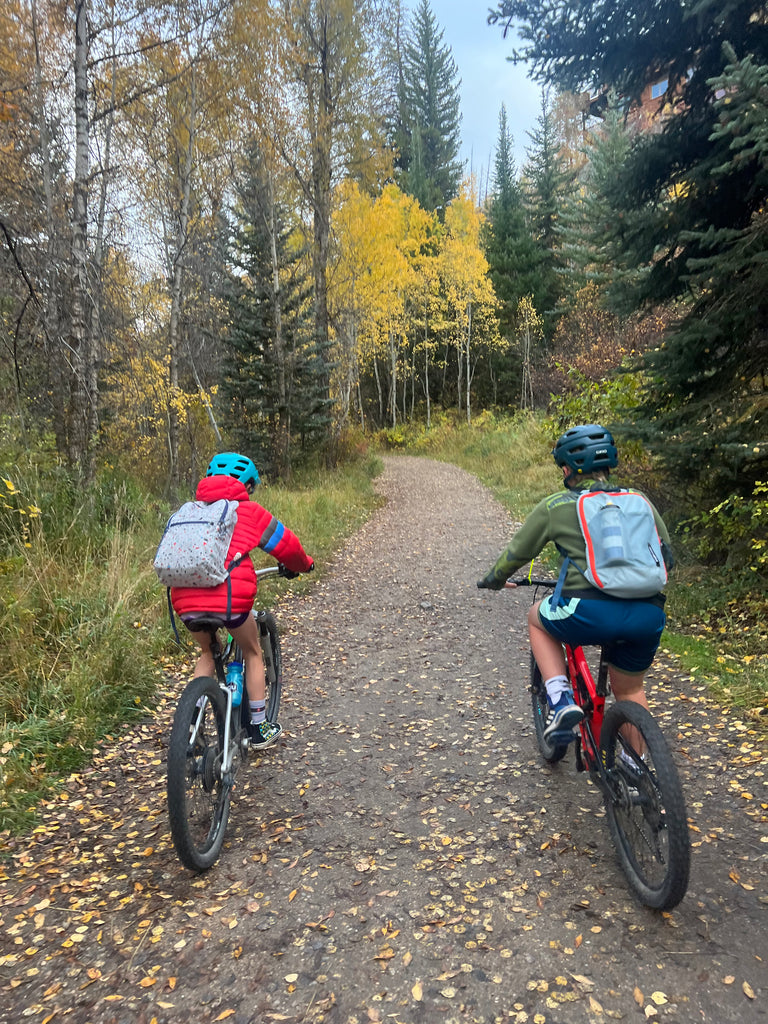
{"type": "Point", "coordinates": [83, 619]}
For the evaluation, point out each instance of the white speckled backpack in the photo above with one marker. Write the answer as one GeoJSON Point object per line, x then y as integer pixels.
{"type": "Point", "coordinates": [194, 546]}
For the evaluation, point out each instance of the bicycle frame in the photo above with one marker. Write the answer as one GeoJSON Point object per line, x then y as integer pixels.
{"type": "Point", "coordinates": [590, 696]}
{"type": "Point", "coordinates": [220, 656]}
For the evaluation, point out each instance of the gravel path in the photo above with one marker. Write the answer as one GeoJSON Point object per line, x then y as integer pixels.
{"type": "Point", "coordinates": [403, 855]}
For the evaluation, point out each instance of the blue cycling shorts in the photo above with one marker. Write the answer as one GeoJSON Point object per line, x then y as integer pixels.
{"type": "Point", "coordinates": [628, 631]}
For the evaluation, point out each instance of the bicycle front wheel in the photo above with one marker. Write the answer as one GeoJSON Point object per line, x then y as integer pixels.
{"type": "Point", "coordinates": [551, 752]}
{"type": "Point", "coordinates": [645, 806]}
{"type": "Point", "coordinates": [198, 797]}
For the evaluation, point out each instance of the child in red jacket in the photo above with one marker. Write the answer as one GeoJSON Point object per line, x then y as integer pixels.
{"type": "Point", "coordinates": [234, 477]}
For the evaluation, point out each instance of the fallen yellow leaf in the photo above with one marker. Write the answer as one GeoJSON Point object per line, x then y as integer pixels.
{"type": "Point", "coordinates": [748, 990]}
{"type": "Point", "coordinates": [417, 992]}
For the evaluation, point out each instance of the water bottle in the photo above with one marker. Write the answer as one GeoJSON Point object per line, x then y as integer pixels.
{"type": "Point", "coordinates": [235, 681]}
{"type": "Point", "coordinates": [611, 534]}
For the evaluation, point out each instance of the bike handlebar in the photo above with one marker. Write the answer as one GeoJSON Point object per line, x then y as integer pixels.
{"type": "Point", "coordinates": [527, 582]}
{"type": "Point", "coordinates": [279, 570]}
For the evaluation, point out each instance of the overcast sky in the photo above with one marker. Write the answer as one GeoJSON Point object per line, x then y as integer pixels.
{"type": "Point", "coordinates": [487, 81]}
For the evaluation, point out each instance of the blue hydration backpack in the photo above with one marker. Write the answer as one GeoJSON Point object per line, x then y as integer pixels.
{"type": "Point", "coordinates": [623, 547]}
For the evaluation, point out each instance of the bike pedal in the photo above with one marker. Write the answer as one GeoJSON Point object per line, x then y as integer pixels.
{"type": "Point", "coordinates": [561, 737]}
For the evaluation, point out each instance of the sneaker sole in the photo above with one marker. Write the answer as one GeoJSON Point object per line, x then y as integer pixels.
{"type": "Point", "coordinates": [565, 721]}
{"type": "Point", "coordinates": [266, 743]}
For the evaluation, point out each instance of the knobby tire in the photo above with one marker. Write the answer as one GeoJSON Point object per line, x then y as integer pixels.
{"type": "Point", "coordinates": [551, 752]}
{"type": "Point", "coordinates": [271, 635]}
{"type": "Point", "coordinates": [646, 810]}
{"type": "Point", "coordinates": [198, 798]}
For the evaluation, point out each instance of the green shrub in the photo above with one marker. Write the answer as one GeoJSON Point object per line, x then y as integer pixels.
{"type": "Point", "coordinates": [734, 532]}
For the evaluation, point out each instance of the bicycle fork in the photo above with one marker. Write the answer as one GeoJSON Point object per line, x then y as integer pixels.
{"type": "Point", "coordinates": [227, 755]}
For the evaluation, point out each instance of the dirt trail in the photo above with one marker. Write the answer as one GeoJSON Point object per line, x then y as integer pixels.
{"type": "Point", "coordinates": [402, 855]}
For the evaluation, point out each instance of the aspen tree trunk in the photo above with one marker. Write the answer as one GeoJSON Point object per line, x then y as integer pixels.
{"type": "Point", "coordinates": [393, 374]}
{"type": "Point", "coordinates": [426, 364]}
{"type": "Point", "coordinates": [459, 368]}
{"type": "Point", "coordinates": [413, 382]}
{"type": "Point", "coordinates": [51, 307]}
{"type": "Point", "coordinates": [96, 331]}
{"type": "Point", "coordinates": [78, 440]}
{"type": "Point", "coordinates": [177, 284]}
{"type": "Point", "coordinates": [378, 388]}
{"type": "Point", "coordinates": [360, 403]}
{"type": "Point", "coordinates": [469, 369]}
{"type": "Point", "coordinates": [526, 398]}
{"type": "Point", "coordinates": [283, 433]}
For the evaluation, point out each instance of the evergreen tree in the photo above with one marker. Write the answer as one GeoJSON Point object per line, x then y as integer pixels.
{"type": "Point", "coordinates": [699, 187]}
{"type": "Point", "coordinates": [510, 250]}
{"type": "Point", "coordinates": [430, 169]}
{"type": "Point", "coordinates": [548, 183]}
{"type": "Point", "coordinates": [273, 377]}
{"type": "Point", "coordinates": [595, 227]}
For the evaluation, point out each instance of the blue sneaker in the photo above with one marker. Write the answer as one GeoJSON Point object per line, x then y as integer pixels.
{"type": "Point", "coordinates": [563, 716]}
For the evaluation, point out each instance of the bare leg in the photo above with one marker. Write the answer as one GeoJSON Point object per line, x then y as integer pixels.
{"type": "Point", "coordinates": [205, 665]}
{"type": "Point", "coordinates": [629, 686]}
{"type": "Point", "coordinates": [547, 651]}
{"type": "Point", "coordinates": [247, 636]}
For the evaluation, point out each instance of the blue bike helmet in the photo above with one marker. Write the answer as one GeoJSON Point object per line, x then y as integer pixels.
{"type": "Point", "coordinates": [232, 464]}
{"type": "Point", "coordinates": [585, 449]}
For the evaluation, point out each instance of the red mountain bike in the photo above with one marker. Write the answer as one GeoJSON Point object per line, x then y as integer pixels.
{"type": "Point", "coordinates": [641, 789]}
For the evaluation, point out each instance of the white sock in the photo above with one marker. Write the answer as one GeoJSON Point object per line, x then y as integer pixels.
{"type": "Point", "coordinates": [556, 687]}
{"type": "Point", "coordinates": [258, 711]}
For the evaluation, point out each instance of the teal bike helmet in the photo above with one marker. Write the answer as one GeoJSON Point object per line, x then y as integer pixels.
{"type": "Point", "coordinates": [232, 464]}
{"type": "Point", "coordinates": [585, 449]}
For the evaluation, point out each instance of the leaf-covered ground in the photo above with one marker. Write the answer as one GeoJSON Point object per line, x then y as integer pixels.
{"type": "Point", "coordinates": [402, 855]}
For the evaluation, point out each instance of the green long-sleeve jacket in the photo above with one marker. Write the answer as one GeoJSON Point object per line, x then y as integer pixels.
{"type": "Point", "coordinates": [555, 519]}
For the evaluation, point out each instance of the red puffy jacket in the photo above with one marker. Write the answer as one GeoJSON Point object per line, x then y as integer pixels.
{"type": "Point", "coordinates": [255, 528]}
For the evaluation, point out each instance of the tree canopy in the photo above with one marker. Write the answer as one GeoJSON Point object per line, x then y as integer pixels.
{"type": "Point", "coordinates": [698, 184]}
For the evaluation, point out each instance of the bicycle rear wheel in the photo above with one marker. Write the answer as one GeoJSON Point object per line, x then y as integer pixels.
{"type": "Point", "coordinates": [645, 808]}
{"type": "Point", "coordinates": [198, 798]}
{"type": "Point", "coordinates": [551, 752]}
